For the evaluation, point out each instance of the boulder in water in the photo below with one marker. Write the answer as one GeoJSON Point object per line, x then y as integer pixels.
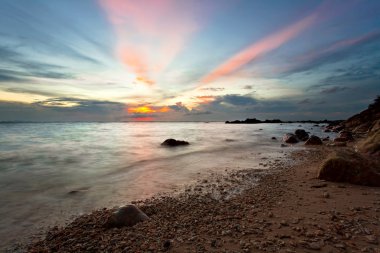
{"type": "Point", "coordinates": [128, 215]}
{"type": "Point", "coordinates": [289, 138]}
{"type": "Point", "coordinates": [301, 134]}
{"type": "Point", "coordinates": [314, 140]}
{"type": "Point", "coordinates": [174, 143]}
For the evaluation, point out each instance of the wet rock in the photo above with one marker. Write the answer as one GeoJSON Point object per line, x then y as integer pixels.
{"type": "Point", "coordinates": [314, 140]}
{"type": "Point", "coordinates": [174, 143]}
{"type": "Point", "coordinates": [301, 134]}
{"type": "Point", "coordinates": [290, 138]}
{"type": "Point", "coordinates": [128, 215]}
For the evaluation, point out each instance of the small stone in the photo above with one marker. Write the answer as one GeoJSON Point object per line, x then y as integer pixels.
{"type": "Point", "coordinates": [326, 195]}
{"type": "Point", "coordinates": [127, 215]}
{"type": "Point", "coordinates": [319, 185]}
{"type": "Point", "coordinates": [340, 246]}
{"type": "Point", "coordinates": [372, 239]}
{"type": "Point", "coordinates": [167, 244]}
{"type": "Point", "coordinates": [314, 245]}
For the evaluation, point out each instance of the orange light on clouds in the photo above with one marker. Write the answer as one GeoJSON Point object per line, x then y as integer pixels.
{"type": "Point", "coordinates": [205, 99]}
{"type": "Point", "coordinates": [143, 119]}
{"type": "Point", "coordinates": [163, 27]}
{"type": "Point", "coordinates": [144, 80]}
{"type": "Point", "coordinates": [147, 110]}
{"type": "Point", "coordinates": [260, 48]}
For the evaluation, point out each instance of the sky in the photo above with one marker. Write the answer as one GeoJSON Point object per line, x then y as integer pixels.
{"type": "Point", "coordinates": [187, 60]}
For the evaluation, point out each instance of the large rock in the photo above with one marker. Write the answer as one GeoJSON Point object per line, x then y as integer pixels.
{"type": "Point", "coordinates": [314, 140]}
{"type": "Point", "coordinates": [174, 143]}
{"type": "Point", "coordinates": [346, 134]}
{"type": "Point", "coordinates": [351, 168]}
{"type": "Point", "coordinates": [128, 215]}
{"type": "Point", "coordinates": [371, 144]}
{"type": "Point", "coordinates": [301, 134]}
{"type": "Point", "coordinates": [363, 121]}
{"type": "Point", "coordinates": [289, 138]}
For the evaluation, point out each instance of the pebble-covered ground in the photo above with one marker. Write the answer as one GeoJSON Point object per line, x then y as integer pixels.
{"type": "Point", "coordinates": [246, 211]}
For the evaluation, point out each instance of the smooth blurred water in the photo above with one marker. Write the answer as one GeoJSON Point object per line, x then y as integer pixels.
{"type": "Point", "coordinates": [108, 164]}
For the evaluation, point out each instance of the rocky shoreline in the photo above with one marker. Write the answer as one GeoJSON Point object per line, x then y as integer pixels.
{"type": "Point", "coordinates": [288, 210]}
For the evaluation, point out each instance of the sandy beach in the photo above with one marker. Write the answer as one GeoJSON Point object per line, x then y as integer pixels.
{"type": "Point", "coordinates": [288, 210]}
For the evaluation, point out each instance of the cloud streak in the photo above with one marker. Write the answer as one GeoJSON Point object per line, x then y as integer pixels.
{"type": "Point", "coordinates": [335, 52]}
{"type": "Point", "coordinates": [261, 47]}
{"type": "Point", "coordinates": [150, 33]}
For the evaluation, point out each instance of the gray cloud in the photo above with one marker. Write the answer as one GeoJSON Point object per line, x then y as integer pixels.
{"type": "Point", "coordinates": [304, 101]}
{"type": "Point", "coordinates": [19, 68]}
{"type": "Point", "coordinates": [31, 91]}
{"type": "Point", "coordinates": [54, 110]}
{"type": "Point", "coordinates": [334, 89]}
{"type": "Point", "coordinates": [81, 105]}
{"type": "Point", "coordinates": [338, 51]}
{"type": "Point", "coordinates": [236, 100]}
{"type": "Point", "coordinates": [213, 89]}
{"type": "Point", "coordinates": [196, 112]}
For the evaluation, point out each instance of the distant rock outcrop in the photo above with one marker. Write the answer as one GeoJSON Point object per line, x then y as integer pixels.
{"type": "Point", "coordinates": [128, 215]}
{"type": "Point", "coordinates": [314, 140]}
{"type": "Point", "coordinates": [174, 143]}
{"type": "Point", "coordinates": [253, 121]}
{"type": "Point", "coordinates": [364, 121]}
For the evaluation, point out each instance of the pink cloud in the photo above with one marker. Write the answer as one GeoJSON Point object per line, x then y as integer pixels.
{"type": "Point", "coordinates": [150, 33]}
{"type": "Point", "coordinates": [262, 47]}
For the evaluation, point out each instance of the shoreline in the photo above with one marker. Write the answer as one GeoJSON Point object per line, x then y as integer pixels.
{"type": "Point", "coordinates": [288, 210]}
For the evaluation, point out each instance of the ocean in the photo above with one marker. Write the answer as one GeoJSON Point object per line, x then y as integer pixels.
{"type": "Point", "coordinates": [50, 172]}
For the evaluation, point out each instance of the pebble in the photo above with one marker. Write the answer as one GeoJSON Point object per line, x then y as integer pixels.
{"type": "Point", "coordinates": [372, 239]}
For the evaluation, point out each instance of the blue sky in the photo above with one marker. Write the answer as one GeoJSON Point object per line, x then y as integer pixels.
{"type": "Point", "coordinates": [185, 60]}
